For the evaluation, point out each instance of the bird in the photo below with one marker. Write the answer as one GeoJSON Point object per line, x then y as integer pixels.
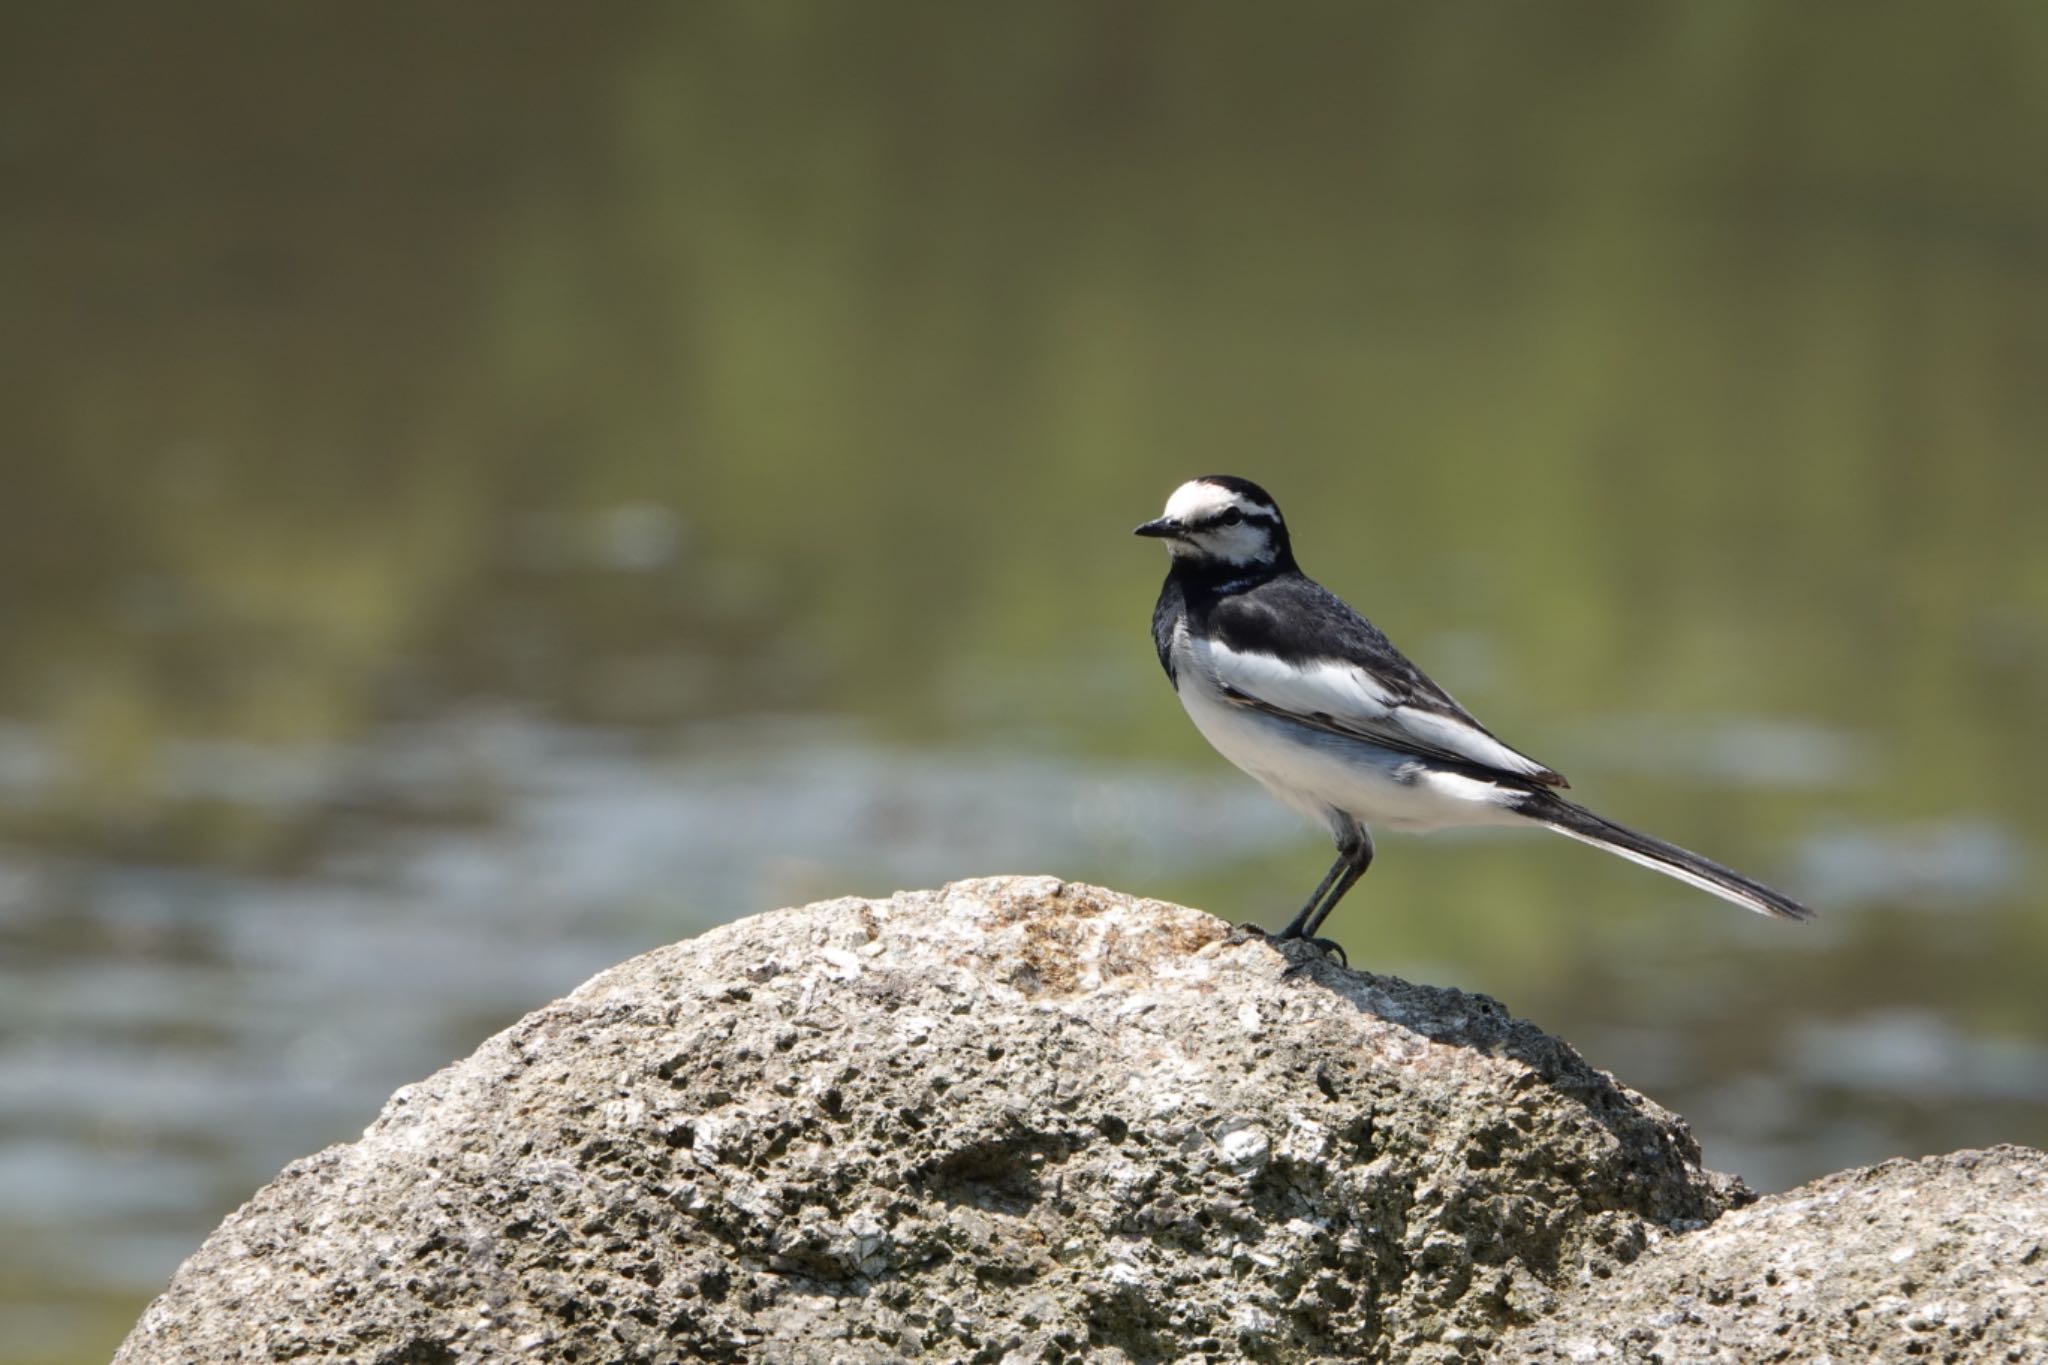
{"type": "Point", "coordinates": [1292, 685]}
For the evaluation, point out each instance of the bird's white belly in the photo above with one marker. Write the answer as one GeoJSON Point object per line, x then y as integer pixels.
{"type": "Point", "coordinates": [1319, 773]}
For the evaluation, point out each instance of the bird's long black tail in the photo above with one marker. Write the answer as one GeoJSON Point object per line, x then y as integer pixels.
{"type": "Point", "coordinates": [1689, 867]}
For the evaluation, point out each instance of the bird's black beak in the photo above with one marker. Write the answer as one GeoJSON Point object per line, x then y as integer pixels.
{"type": "Point", "coordinates": [1164, 526]}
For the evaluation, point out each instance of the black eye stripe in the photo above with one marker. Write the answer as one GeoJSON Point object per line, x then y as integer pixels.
{"type": "Point", "coordinates": [1232, 516]}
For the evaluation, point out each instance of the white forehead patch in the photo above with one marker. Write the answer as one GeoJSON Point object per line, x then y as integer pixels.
{"type": "Point", "coordinates": [1196, 501]}
{"type": "Point", "coordinates": [1197, 504]}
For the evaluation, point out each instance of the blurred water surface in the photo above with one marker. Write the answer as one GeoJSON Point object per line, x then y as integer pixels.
{"type": "Point", "coordinates": [483, 494]}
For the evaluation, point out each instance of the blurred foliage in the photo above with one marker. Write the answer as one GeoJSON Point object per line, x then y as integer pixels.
{"type": "Point", "coordinates": [1690, 353]}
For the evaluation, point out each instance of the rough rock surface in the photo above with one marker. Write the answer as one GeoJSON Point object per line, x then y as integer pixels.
{"type": "Point", "coordinates": [1012, 1120]}
{"type": "Point", "coordinates": [1941, 1259]}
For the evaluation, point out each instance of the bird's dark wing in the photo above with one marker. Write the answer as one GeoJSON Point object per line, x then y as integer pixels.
{"type": "Point", "coordinates": [1292, 648]}
{"type": "Point", "coordinates": [1166, 615]}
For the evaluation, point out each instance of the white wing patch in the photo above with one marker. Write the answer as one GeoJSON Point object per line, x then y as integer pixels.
{"type": "Point", "coordinates": [1334, 694]}
{"type": "Point", "coordinates": [1337, 690]}
{"type": "Point", "coordinates": [1433, 727]}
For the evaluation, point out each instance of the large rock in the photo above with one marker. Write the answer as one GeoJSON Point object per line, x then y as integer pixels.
{"type": "Point", "coordinates": [1942, 1259]}
{"type": "Point", "coordinates": [1012, 1120]}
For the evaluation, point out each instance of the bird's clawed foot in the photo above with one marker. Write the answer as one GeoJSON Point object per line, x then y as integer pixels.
{"type": "Point", "coordinates": [1284, 944]}
{"type": "Point", "coordinates": [1303, 952]}
{"type": "Point", "coordinates": [1327, 946]}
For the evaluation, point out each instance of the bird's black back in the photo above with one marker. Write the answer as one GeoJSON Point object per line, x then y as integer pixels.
{"type": "Point", "coordinates": [1281, 612]}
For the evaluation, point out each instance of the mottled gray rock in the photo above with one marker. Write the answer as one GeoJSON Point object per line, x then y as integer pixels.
{"type": "Point", "coordinates": [1009, 1121]}
{"type": "Point", "coordinates": [1941, 1259]}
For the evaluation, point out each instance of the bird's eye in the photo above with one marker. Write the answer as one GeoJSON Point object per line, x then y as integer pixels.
{"type": "Point", "coordinates": [1232, 517]}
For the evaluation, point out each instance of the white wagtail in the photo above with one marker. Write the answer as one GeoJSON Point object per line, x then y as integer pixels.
{"type": "Point", "coordinates": [1307, 696]}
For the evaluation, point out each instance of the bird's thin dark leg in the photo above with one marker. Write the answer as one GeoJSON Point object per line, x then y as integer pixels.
{"type": "Point", "coordinates": [1301, 925]}
{"type": "Point", "coordinates": [1293, 929]}
{"type": "Point", "coordinates": [1354, 856]}
{"type": "Point", "coordinates": [1358, 861]}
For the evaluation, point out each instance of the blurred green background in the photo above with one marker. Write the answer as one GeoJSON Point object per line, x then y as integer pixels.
{"type": "Point", "coordinates": [488, 490]}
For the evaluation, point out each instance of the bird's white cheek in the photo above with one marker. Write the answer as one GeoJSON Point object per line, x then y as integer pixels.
{"type": "Point", "coordinates": [1234, 544]}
